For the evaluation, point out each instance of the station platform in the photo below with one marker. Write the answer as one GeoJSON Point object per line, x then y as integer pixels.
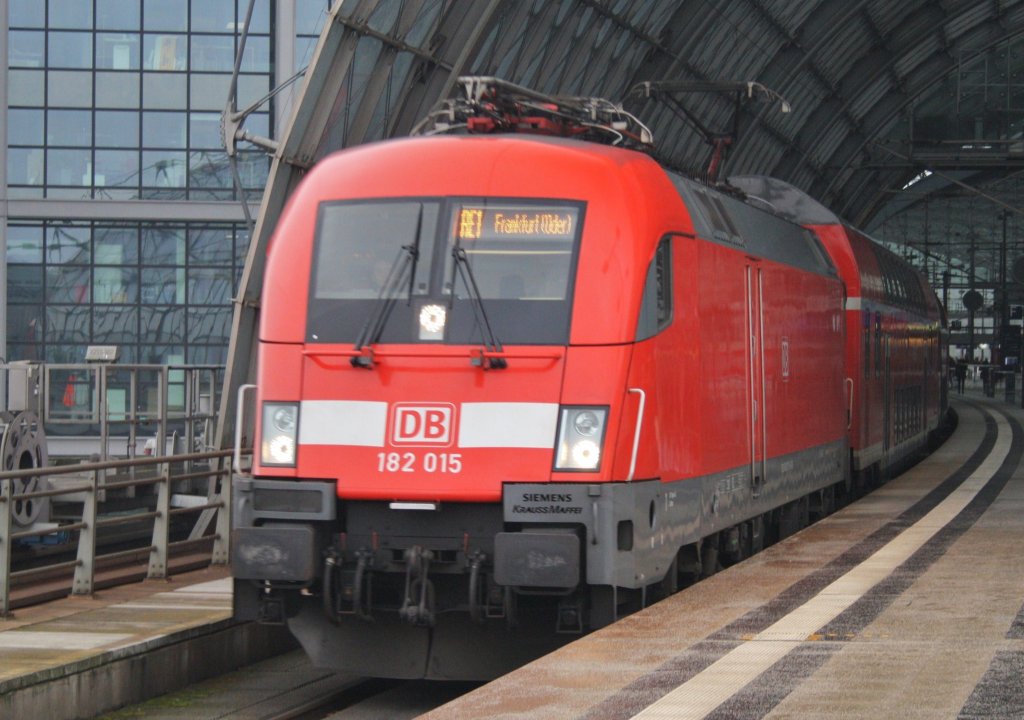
{"type": "Point", "coordinates": [908, 603]}
{"type": "Point", "coordinates": [84, 655]}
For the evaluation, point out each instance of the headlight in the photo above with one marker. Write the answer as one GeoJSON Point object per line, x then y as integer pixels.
{"type": "Point", "coordinates": [580, 438]}
{"type": "Point", "coordinates": [283, 419]}
{"type": "Point", "coordinates": [280, 423]}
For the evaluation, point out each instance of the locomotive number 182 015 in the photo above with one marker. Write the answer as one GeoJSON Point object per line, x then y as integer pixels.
{"type": "Point", "coordinates": [429, 462]}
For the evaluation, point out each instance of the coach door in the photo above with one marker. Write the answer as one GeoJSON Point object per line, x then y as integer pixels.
{"type": "Point", "coordinates": [887, 400]}
{"type": "Point", "coordinates": [758, 425]}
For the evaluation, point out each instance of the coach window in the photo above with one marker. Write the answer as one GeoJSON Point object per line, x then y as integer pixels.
{"type": "Point", "coordinates": [656, 305]}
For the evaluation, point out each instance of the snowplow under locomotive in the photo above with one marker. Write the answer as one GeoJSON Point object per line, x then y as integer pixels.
{"type": "Point", "coordinates": [511, 386]}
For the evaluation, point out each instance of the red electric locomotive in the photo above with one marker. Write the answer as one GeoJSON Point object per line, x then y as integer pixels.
{"type": "Point", "coordinates": [511, 386]}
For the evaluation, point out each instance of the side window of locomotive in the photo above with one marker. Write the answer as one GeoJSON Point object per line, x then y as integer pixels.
{"type": "Point", "coordinates": [656, 305]}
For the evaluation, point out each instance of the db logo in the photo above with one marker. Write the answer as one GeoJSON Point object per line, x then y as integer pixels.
{"type": "Point", "coordinates": [422, 424]}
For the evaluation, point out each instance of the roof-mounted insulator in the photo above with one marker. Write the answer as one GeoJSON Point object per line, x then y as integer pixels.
{"type": "Point", "coordinates": [492, 105]}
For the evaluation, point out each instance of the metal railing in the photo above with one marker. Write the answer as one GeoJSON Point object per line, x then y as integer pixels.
{"type": "Point", "coordinates": [133, 399]}
{"type": "Point", "coordinates": [121, 406]}
{"type": "Point", "coordinates": [86, 484]}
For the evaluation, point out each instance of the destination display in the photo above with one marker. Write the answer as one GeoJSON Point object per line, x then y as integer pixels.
{"type": "Point", "coordinates": [516, 222]}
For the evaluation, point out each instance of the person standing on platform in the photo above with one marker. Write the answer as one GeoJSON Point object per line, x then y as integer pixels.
{"type": "Point", "coordinates": [961, 375]}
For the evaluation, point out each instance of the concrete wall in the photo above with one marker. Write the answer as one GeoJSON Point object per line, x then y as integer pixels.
{"type": "Point", "coordinates": [134, 674]}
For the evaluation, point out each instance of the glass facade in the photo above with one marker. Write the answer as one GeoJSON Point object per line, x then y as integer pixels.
{"type": "Point", "coordinates": [121, 100]}
{"type": "Point", "coordinates": [161, 292]}
{"type": "Point", "coordinates": [309, 21]}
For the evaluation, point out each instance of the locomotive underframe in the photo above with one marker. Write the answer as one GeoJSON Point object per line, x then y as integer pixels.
{"type": "Point", "coordinates": [436, 580]}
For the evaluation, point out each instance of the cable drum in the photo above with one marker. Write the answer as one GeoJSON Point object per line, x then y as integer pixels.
{"type": "Point", "coordinates": [24, 447]}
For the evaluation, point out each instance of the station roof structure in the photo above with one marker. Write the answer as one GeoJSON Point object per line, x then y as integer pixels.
{"type": "Point", "coordinates": [905, 117]}
{"type": "Point", "coordinates": [880, 92]}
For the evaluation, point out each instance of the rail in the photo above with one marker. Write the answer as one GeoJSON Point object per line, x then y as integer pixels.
{"type": "Point", "coordinates": [86, 484]}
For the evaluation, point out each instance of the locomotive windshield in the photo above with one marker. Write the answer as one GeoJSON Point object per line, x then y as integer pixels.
{"type": "Point", "coordinates": [357, 244]}
{"type": "Point", "coordinates": [391, 264]}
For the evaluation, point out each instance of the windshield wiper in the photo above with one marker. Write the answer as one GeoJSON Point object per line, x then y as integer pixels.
{"type": "Point", "coordinates": [403, 266]}
{"type": "Point", "coordinates": [460, 264]}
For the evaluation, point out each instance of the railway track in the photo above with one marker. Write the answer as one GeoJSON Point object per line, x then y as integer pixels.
{"type": "Point", "coordinates": [287, 687]}
{"type": "Point", "coordinates": [53, 582]}
{"type": "Point", "coordinates": [148, 517]}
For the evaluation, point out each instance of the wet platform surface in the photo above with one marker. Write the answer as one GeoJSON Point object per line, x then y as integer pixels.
{"type": "Point", "coordinates": [905, 604]}
{"type": "Point", "coordinates": [83, 655]}
{"type": "Point", "coordinates": [52, 636]}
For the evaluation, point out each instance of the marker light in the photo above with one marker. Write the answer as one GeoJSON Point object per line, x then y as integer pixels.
{"type": "Point", "coordinates": [580, 437]}
{"type": "Point", "coordinates": [280, 423]}
{"type": "Point", "coordinates": [432, 320]}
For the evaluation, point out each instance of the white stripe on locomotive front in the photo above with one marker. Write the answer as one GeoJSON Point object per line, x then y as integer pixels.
{"type": "Point", "coordinates": [480, 425]}
{"type": "Point", "coordinates": [508, 425]}
{"type": "Point", "coordinates": [343, 422]}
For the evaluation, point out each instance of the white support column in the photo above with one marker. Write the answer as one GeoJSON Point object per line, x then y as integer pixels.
{"type": "Point", "coordinates": [284, 63]}
{"type": "Point", "coordinates": [85, 572]}
{"type": "Point", "coordinates": [6, 528]}
{"type": "Point", "coordinates": [222, 543]}
{"type": "Point", "coordinates": [158, 557]}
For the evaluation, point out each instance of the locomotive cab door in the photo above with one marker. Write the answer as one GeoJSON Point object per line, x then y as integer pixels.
{"type": "Point", "coordinates": [757, 415]}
